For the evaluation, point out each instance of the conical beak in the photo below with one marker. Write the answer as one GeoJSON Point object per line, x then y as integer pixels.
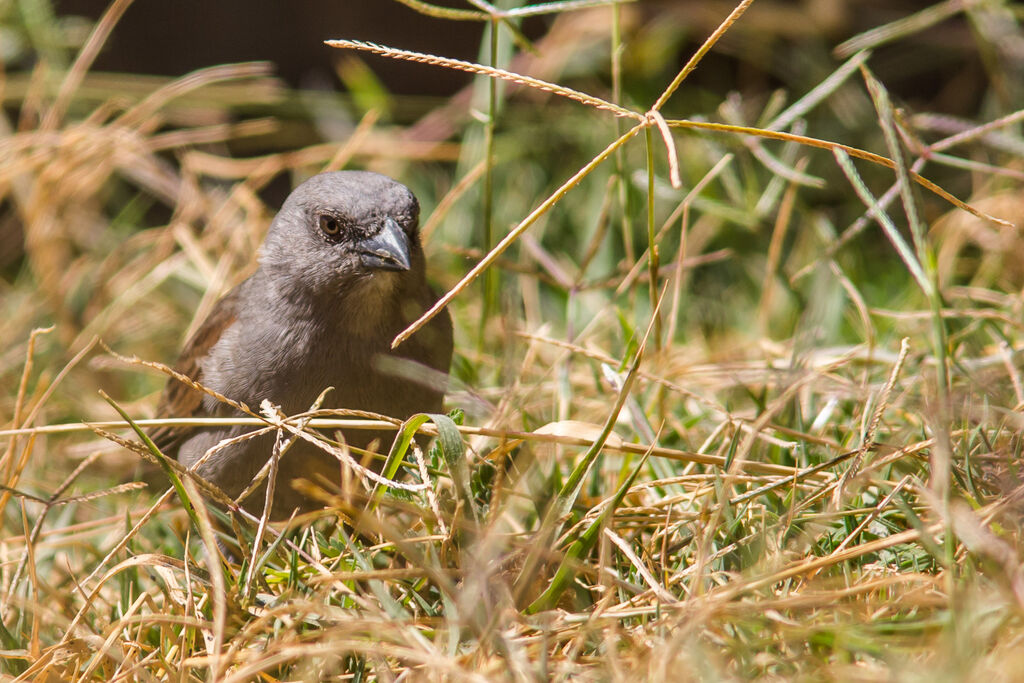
{"type": "Point", "coordinates": [387, 250]}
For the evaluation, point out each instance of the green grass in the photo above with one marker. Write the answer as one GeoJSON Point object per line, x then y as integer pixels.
{"type": "Point", "coordinates": [782, 444]}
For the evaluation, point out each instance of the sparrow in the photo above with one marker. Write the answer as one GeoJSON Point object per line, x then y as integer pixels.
{"type": "Point", "coordinates": [340, 273]}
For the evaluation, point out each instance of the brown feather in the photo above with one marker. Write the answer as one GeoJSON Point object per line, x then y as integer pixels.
{"type": "Point", "coordinates": [179, 399]}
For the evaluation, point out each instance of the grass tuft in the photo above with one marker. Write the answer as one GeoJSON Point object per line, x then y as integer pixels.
{"type": "Point", "coordinates": [774, 435]}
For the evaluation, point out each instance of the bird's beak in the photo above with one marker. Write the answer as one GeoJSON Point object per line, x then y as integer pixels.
{"type": "Point", "coordinates": [387, 250]}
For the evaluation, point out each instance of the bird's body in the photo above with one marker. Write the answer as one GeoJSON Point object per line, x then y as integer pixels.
{"type": "Point", "coordinates": [320, 312]}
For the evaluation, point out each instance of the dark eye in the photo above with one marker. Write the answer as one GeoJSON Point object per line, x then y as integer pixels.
{"type": "Point", "coordinates": [330, 225]}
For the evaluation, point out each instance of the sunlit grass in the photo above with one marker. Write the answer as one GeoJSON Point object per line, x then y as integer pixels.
{"type": "Point", "coordinates": [745, 402]}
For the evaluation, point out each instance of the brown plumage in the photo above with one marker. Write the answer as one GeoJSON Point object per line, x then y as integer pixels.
{"type": "Point", "coordinates": [179, 399]}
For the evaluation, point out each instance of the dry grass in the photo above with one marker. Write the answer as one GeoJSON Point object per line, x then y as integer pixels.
{"type": "Point", "coordinates": [783, 443]}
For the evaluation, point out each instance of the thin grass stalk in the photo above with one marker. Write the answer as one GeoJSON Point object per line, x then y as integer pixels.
{"type": "Point", "coordinates": [439, 12]}
{"type": "Point", "coordinates": [925, 254]}
{"type": "Point", "coordinates": [558, 6]}
{"type": "Point", "coordinates": [472, 67]}
{"type": "Point", "coordinates": [513, 235]}
{"type": "Point", "coordinates": [904, 26]}
{"type": "Point", "coordinates": [490, 282]}
{"type": "Point", "coordinates": [12, 465]}
{"type": "Point", "coordinates": [73, 79]}
{"type": "Point", "coordinates": [819, 92]}
{"type": "Point", "coordinates": [942, 454]}
{"type": "Point", "coordinates": [582, 546]}
{"type": "Point", "coordinates": [851, 151]}
{"type": "Point", "coordinates": [621, 177]}
{"type": "Point", "coordinates": [559, 508]}
{"type": "Point", "coordinates": [694, 60]}
{"type": "Point", "coordinates": [652, 246]}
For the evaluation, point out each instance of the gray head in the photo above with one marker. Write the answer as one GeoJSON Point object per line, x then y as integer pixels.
{"type": "Point", "coordinates": [344, 233]}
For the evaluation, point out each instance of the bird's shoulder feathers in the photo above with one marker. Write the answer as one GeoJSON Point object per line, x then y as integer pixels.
{"type": "Point", "coordinates": [179, 399]}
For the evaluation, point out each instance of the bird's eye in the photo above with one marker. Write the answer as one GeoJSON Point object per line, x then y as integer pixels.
{"type": "Point", "coordinates": [330, 225]}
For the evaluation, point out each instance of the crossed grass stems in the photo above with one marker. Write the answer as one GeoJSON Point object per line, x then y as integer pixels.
{"type": "Point", "coordinates": [653, 595]}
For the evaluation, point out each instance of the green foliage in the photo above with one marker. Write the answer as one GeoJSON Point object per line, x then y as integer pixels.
{"type": "Point", "coordinates": [686, 441]}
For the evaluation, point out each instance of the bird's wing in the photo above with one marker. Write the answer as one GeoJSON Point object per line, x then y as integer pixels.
{"type": "Point", "coordinates": [179, 399]}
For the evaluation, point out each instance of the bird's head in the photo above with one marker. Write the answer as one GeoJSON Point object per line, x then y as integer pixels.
{"type": "Point", "coordinates": [345, 233]}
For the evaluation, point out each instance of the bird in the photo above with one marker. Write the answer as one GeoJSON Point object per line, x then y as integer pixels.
{"type": "Point", "coordinates": [340, 273]}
